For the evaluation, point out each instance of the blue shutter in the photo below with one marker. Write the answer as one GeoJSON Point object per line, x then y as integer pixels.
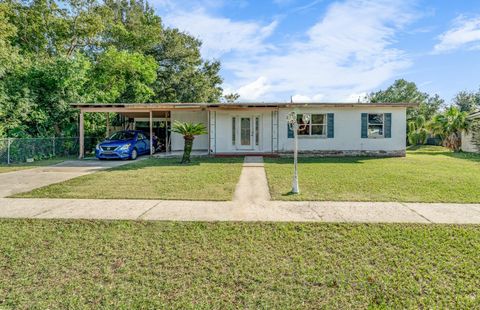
{"type": "Point", "coordinates": [330, 125]}
{"type": "Point", "coordinates": [388, 125]}
{"type": "Point", "coordinates": [364, 125]}
{"type": "Point", "coordinates": [289, 132]}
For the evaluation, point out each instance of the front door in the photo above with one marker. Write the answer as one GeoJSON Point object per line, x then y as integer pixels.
{"type": "Point", "coordinates": [246, 133]}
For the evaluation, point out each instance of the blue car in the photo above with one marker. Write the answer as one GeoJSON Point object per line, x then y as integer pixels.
{"type": "Point", "coordinates": [127, 144]}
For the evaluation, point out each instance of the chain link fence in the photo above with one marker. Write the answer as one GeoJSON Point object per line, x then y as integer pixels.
{"type": "Point", "coordinates": [19, 150]}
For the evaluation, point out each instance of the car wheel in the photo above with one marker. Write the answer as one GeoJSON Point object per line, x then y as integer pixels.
{"type": "Point", "coordinates": [134, 154]}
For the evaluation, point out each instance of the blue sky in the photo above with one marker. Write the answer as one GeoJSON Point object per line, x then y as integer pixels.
{"type": "Point", "coordinates": [318, 50]}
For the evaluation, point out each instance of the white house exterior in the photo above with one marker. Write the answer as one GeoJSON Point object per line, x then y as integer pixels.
{"type": "Point", "coordinates": [261, 128]}
{"type": "Point", "coordinates": [467, 144]}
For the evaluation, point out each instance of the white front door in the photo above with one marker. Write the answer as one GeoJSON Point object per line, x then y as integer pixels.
{"type": "Point", "coordinates": [246, 133]}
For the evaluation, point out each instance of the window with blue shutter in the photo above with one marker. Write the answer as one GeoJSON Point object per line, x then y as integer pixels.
{"type": "Point", "coordinates": [364, 128]}
{"type": "Point", "coordinates": [330, 125]}
{"type": "Point", "coordinates": [388, 125]}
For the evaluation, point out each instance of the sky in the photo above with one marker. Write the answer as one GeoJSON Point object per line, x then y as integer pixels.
{"type": "Point", "coordinates": [333, 51]}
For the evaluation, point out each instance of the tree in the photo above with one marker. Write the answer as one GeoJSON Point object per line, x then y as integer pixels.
{"type": "Point", "coordinates": [467, 101]}
{"type": "Point", "coordinates": [182, 74]}
{"type": "Point", "coordinates": [417, 133]}
{"type": "Point", "coordinates": [449, 126]}
{"type": "Point", "coordinates": [56, 53]}
{"type": "Point", "coordinates": [122, 76]}
{"type": "Point", "coordinates": [188, 131]}
{"type": "Point", "coordinates": [404, 91]}
{"type": "Point", "coordinates": [231, 98]}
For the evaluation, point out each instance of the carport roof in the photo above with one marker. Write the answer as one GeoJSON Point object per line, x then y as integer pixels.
{"type": "Point", "coordinates": [185, 105]}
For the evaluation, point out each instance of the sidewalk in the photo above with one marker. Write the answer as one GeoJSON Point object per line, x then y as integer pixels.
{"type": "Point", "coordinates": [251, 203]}
{"type": "Point", "coordinates": [278, 211]}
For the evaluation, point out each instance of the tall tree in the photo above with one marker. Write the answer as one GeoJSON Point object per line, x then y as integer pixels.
{"type": "Point", "coordinates": [404, 91]}
{"type": "Point", "coordinates": [467, 101]}
{"type": "Point", "coordinates": [121, 76]}
{"type": "Point", "coordinates": [182, 74]}
{"type": "Point", "coordinates": [54, 53]}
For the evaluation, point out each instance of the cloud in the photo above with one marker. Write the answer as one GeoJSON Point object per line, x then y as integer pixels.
{"type": "Point", "coordinates": [348, 51]}
{"type": "Point", "coordinates": [254, 90]}
{"type": "Point", "coordinates": [222, 35]}
{"type": "Point", "coordinates": [464, 33]}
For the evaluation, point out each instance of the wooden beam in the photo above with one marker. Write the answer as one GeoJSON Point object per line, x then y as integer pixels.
{"type": "Point", "coordinates": [81, 136]}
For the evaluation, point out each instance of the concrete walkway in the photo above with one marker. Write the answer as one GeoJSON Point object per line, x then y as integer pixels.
{"type": "Point", "coordinates": [25, 180]}
{"type": "Point", "coordinates": [251, 203]}
{"type": "Point", "coordinates": [278, 211]}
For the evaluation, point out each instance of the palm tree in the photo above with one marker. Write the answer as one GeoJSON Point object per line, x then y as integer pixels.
{"type": "Point", "coordinates": [188, 131]}
{"type": "Point", "coordinates": [417, 134]}
{"type": "Point", "coordinates": [449, 126]}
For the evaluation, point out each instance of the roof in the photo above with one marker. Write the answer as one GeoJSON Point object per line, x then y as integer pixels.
{"type": "Point", "coordinates": [240, 105]}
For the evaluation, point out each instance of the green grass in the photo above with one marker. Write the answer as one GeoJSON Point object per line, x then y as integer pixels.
{"type": "Point", "coordinates": [203, 179]}
{"type": "Point", "coordinates": [35, 164]}
{"type": "Point", "coordinates": [426, 174]}
{"type": "Point", "coordinates": [131, 265]}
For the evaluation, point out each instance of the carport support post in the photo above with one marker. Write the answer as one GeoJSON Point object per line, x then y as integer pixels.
{"type": "Point", "coordinates": [108, 124]}
{"type": "Point", "coordinates": [81, 137]}
{"type": "Point", "coordinates": [151, 133]}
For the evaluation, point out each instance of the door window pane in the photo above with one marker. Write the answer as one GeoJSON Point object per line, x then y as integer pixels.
{"type": "Point", "coordinates": [245, 131]}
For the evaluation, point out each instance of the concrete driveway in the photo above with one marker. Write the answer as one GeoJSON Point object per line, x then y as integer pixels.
{"type": "Point", "coordinates": [26, 180]}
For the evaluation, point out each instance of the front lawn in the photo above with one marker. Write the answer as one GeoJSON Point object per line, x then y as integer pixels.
{"type": "Point", "coordinates": [35, 164]}
{"type": "Point", "coordinates": [426, 174]}
{"type": "Point", "coordinates": [131, 265]}
{"type": "Point", "coordinates": [203, 179]}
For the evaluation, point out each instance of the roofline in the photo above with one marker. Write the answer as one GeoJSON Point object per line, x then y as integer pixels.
{"type": "Point", "coordinates": [241, 104]}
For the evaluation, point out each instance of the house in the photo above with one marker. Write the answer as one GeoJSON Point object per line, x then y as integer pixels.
{"type": "Point", "coordinates": [262, 128]}
{"type": "Point", "coordinates": [467, 143]}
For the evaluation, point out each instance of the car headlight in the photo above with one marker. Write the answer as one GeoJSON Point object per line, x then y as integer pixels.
{"type": "Point", "coordinates": [97, 147]}
{"type": "Point", "coordinates": [125, 147]}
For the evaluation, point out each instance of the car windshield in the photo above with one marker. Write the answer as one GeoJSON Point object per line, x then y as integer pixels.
{"type": "Point", "coordinates": [122, 135]}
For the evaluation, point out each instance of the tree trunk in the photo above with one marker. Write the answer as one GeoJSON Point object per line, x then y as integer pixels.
{"type": "Point", "coordinates": [187, 150]}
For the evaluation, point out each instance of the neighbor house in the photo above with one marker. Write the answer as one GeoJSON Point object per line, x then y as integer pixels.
{"type": "Point", "coordinates": [467, 143]}
{"type": "Point", "coordinates": [262, 128]}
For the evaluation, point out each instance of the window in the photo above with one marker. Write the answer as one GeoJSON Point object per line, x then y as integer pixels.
{"type": "Point", "coordinates": [233, 130]}
{"type": "Point", "coordinates": [375, 125]}
{"type": "Point", "coordinates": [317, 126]}
{"type": "Point", "coordinates": [140, 136]}
{"type": "Point", "coordinates": [122, 135]}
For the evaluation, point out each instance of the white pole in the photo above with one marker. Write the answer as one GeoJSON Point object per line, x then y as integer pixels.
{"type": "Point", "coordinates": [295, 187]}
{"type": "Point", "coordinates": [8, 150]}
{"type": "Point", "coordinates": [151, 134]}
{"type": "Point", "coordinates": [81, 136]}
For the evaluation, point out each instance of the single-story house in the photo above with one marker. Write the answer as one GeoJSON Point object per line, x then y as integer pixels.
{"type": "Point", "coordinates": [262, 128]}
{"type": "Point", "coordinates": [467, 144]}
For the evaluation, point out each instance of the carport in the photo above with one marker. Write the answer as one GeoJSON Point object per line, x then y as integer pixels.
{"type": "Point", "coordinates": [148, 112]}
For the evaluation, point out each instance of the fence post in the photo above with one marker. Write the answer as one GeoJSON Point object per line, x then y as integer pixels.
{"type": "Point", "coordinates": [53, 145]}
{"type": "Point", "coordinates": [8, 151]}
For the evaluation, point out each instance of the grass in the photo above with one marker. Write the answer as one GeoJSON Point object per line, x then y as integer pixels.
{"type": "Point", "coordinates": [129, 265]}
{"type": "Point", "coordinates": [203, 179]}
{"type": "Point", "coordinates": [426, 174]}
{"type": "Point", "coordinates": [35, 164]}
